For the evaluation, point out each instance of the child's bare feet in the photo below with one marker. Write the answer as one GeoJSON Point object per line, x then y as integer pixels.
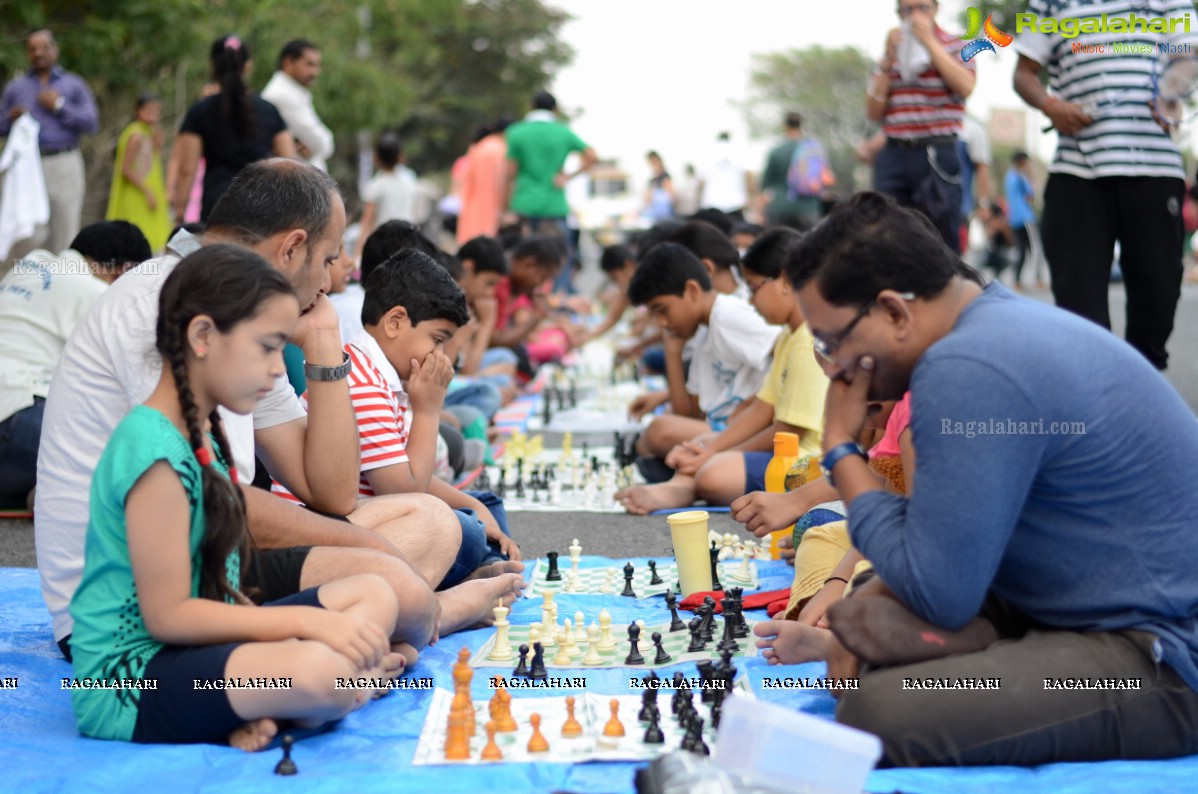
{"type": "Point", "coordinates": [640, 500]}
{"type": "Point", "coordinates": [791, 642]}
{"type": "Point", "coordinates": [496, 569]}
{"type": "Point", "coordinates": [469, 604]}
{"type": "Point", "coordinates": [254, 735]}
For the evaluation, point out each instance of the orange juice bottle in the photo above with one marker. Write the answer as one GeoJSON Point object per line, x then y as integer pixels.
{"type": "Point", "coordinates": [786, 452]}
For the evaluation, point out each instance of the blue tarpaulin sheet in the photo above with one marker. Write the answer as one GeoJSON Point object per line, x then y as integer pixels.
{"type": "Point", "coordinates": [371, 750]}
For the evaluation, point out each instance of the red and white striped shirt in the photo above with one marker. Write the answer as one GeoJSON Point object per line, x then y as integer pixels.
{"type": "Point", "coordinates": [381, 409]}
{"type": "Point", "coordinates": [926, 106]}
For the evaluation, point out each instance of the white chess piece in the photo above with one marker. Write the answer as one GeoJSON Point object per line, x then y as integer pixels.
{"type": "Point", "coordinates": [714, 537]}
{"type": "Point", "coordinates": [763, 551]}
{"type": "Point", "coordinates": [742, 573]}
{"type": "Point", "coordinates": [608, 585]}
{"type": "Point", "coordinates": [563, 650]}
{"type": "Point", "coordinates": [555, 493]}
{"type": "Point", "coordinates": [571, 581]}
{"type": "Point", "coordinates": [606, 641]}
{"type": "Point", "coordinates": [534, 633]}
{"type": "Point", "coordinates": [728, 550]}
{"type": "Point", "coordinates": [571, 643]}
{"type": "Point", "coordinates": [592, 657]}
{"type": "Point", "coordinates": [575, 552]}
{"type": "Point", "coordinates": [580, 627]}
{"type": "Point", "coordinates": [548, 627]}
{"type": "Point", "coordinates": [503, 646]}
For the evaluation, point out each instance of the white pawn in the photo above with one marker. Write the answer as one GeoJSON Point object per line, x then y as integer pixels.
{"type": "Point", "coordinates": [763, 551]}
{"type": "Point", "coordinates": [606, 641]}
{"type": "Point", "coordinates": [571, 581]}
{"type": "Point", "coordinates": [571, 643]}
{"type": "Point", "coordinates": [548, 627]}
{"type": "Point", "coordinates": [503, 646]}
{"type": "Point", "coordinates": [563, 650]}
{"type": "Point", "coordinates": [714, 537]}
{"type": "Point", "coordinates": [580, 627]}
{"type": "Point", "coordinates": [534, 634]}
{"type": "Point", "coordinates": [608, 585]}
{"type": "Point", "coordinates": [592, 657]}
{"type": "Point", "coordinates": [728, 550]}
{"type": "Point", "coordinates": [555, 493]}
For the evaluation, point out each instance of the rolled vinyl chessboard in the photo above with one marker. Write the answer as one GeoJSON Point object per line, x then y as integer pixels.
{"type": "Point", "coordinates": [591, 579]}
{"type": "Point", "coordinates": [674, 643]}
{"type": "Point", "coordinates": [590, 709]}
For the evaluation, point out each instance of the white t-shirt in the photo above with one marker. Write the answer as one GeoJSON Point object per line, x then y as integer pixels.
{"type": "Point", "coordinates": [41, 300]}
{"type": "Point", "coordinates": [108, 366]}
{"type": "Point", "coordinates": [732, 361]}
{"type": "Point", "coordinates": [724, 181]}
{"type": "Point", "coordinates": [393, 195]}
{"type": "Point", "coordinates": [349, 310]}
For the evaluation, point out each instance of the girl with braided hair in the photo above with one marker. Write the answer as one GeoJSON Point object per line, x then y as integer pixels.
{"type": "Point", "coordinates": [167, 647]}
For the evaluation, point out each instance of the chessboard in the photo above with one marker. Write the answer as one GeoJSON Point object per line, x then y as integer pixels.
{"type": "Point", "coordinates": [593, 711]}
{"type": "Point", "coordinates": [596, 581]}
{"type": "Point", "coordinates": [674, 643]}
{"type": "Point", "coordinates": [530, 478]}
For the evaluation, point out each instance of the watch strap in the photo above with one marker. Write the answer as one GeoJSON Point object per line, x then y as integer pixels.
{"type": "Point", "coordinates": [319, 372]}
{"type": "Point", "coordinates": [834, 456]}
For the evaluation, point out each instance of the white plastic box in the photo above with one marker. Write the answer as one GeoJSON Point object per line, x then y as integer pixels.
{"type": "Point", "coordinates": [791, 751]}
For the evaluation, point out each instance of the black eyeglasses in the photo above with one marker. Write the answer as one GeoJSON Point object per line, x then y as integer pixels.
{"type": "Point", "coordinates": [826, 346]}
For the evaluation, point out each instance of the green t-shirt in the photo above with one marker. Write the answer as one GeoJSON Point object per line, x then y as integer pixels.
{"type": "Point", "coordinates": [540, 149]}
{"type": "Point", "coordinates": [782, 208]}
{"type": "Point", "coordinates": [110, 640]}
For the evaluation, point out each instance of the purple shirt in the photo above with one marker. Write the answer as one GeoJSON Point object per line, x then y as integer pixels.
{"type": "Point", "coordinates": [61, 129]}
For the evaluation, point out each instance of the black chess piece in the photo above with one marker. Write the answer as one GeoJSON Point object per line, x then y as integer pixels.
{"type": "Point", "coordinates": [643, 714]}
{"type": "Point", "coordinates": [654, 578]}
{"type": "Point", "coordinates": [573, 393]}
{"type": "Point", "coordinates": [717, 709]}
{"type": "Point", "coordinates": [729, 640]}
{"type": "Point", "coordinates": [634, 654]}
{"type": "Point", "coordinates": [676, 699]}
{"type": "Point", "coordinates": [629, 571]}
{"type": "Point", "coordinates": [501, 487]}
{"type": "Point", "coordinates": [553, 574]}
{"type": "Point", "coordinates": [653, 734]}
{"type": "Point", "coordinates": [708, 619]}
{"type": "Point", "coordinates": [561, 398]}
{"type": "Point", "coordinates": [522, 667]}
{"type": "Point", "coordinates": [586, 451]}
{"type": "Point", "coordinates": [715, 567]}
{"type": "Point", "coordinates": [696, 630]}
{"type": "Point", "coordinates": [676, 623]}
{"type": "Point", "coordinates": [706, 676]}
{"type": "Point", "coordinates": [740, 628]}
{"type": "Point", "coordinates": [519, 485]}
{"type": "Point", "coordinates": [286, 766]}
{"type": "Point", "coordinates": [696, 729]}
{"type": "Point", "coordinates": [662, 657]}
{"type": "Point", "coordinates": [538, 671]}
{"type": "Point", "coordinates": [536, 492]}
{"type": "Point", "coordinates": [546, 406]}
{"type": "Point", "coordinates": [483, 483]}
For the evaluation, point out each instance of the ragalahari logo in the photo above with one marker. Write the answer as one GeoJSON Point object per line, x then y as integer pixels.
{"type": "Point", "coordinates": [992, 35]}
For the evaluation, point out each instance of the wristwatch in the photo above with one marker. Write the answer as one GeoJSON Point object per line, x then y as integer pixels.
{"type": "Point", "coordinates": [319, 372]}
{"type": "Point", "coordinates": [59, 104]}
{"type": "Point", "coordinates": [834, 455]}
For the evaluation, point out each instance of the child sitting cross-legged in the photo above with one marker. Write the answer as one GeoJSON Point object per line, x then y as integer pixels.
{"type": "Point", "coordinates": [162, 597]}
{"type": "Point", "coordinates": [397, 382]}
{"type": "Point", "coordinates": [719, 467]}
{"type": "Point", "coordinates": [729, 363]}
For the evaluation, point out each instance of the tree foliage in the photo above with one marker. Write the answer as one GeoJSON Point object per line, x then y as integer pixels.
{"type": "Point", "coordinates": [432, 69]}
{"type": "Point", "coordinates": [826, 86]}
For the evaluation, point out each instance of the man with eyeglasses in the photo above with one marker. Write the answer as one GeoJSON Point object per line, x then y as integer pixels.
{"type": "Point", "coordinates": [1117, 174]}
{"type": "Point", "coordinates": [1034, 599]}
{"type": "Point", "coordinates": [920, 101]}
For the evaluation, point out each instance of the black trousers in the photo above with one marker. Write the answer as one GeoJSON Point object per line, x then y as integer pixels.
{"type": "Point", "coordinates": [1082, 220]}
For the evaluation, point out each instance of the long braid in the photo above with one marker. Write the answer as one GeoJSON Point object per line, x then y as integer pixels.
{"type": "Point", "coordinates": [246, 543]}
{"type": "Point", "coordinates": [224, 513]}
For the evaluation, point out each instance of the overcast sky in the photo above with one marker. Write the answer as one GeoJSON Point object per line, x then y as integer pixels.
{"type": "Point", "coordinates": [662, 74]}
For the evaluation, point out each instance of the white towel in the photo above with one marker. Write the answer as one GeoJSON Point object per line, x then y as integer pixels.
{"type": "Point", "coordinates": [23, 200]}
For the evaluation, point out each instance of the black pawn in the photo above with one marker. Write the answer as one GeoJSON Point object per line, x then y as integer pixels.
{"type": "Point", "coordinates": [715, 567]}
{"type": "Point", "coordinates": [522, 668]}
{"type": "Point", "coordinates": [553, 575]}
{"type": "Point", "coordinates": [538, 671]}
{"type": "Point", "coordinates": [546, 406]}
{"type": "Point", "coordinates": [696, 630]}
{"type": "Point", "coordinates": [286, 766]}
{"type": "Point", "coordinates": [634, 654]}
{"type": "Point", "coordinates": [696, 731]}
{"type": "Point", "coordinates": [662, 657]}
{"type": "Point", "coordinates": [629, 571]}
{"type": "Point", "coordinates": [501, 487]}
{"type": "Point", "coordinates": [654, 578]}
{"type": "Point", "coordinates": [653, 734]}
{"type": "Point", "coordinates": [676, 623]}
{"type": "Point", "coordinates": [646, 703]}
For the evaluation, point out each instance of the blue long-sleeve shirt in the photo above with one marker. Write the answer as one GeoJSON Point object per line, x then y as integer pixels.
{"type": "Point", "coordinates": [1086, 524]}
{"type": "Point", "coordinates": [60, 129]}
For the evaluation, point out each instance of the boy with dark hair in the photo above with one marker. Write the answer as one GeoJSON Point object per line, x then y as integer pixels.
{"type": "Point", "coordinates": [534, 263]}
{"type": "Point", "coordinates": [716, 252]}
{"type": "Point", "coordinates": [484, 267]}
{"type": "Point", "coordinates": [618, 262]}
{"type": "Point", "coordinates": [397, 382]}
{"type": "Point", "coordinates": [390, 195]}
{"type": "Point", "coordinates": [730, 361]}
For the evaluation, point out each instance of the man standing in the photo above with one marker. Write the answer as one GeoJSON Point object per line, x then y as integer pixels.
{"type": "Point", "coordinates": [918, 92]}
{"type": "Point", "coordinates": [781, 207]}
{"type": "Point", "coordinates": [1117, 175]}
{"type": "Point", "coordinates": [65, 108]}
{"type": "Point", "coordinates": [289, 91]}
{"type": "Point", "coordinates": [727, 185]}
{"type": "Point", "coordinates": [536, 151]}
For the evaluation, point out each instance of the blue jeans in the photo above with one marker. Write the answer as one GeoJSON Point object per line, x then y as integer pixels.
{"type": "Point", "coordinates": [19, 437]}
{"type": "Point", "coordinates": [906, 174]}
{"type": "Point", "coordinates": [477, 394]}
{"type": "Point", "coordinates": [476, 550]}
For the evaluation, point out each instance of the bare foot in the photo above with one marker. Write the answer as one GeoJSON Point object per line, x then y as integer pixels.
{"type": "Point", "coordinates": [469, 604]}
{"type": "Point", "coordinates": [496, 569]}
{"type": "Point", "coordinates": [254, 735]}
{"type": "Point", "coordinates": [791, 642]}
{"type": "Point", "coordinates": [407, 657]}
{"type": "Point", "coordinates": [641, 500]}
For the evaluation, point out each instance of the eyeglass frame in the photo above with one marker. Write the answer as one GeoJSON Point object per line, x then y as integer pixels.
{"type": "Point", "coordinates": [908, 11]}
{"type": "Point", "coordinates": [826, 346]}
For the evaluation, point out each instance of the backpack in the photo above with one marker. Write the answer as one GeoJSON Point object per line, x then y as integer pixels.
{"type": "Point", "coordinates": [808, 174]}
